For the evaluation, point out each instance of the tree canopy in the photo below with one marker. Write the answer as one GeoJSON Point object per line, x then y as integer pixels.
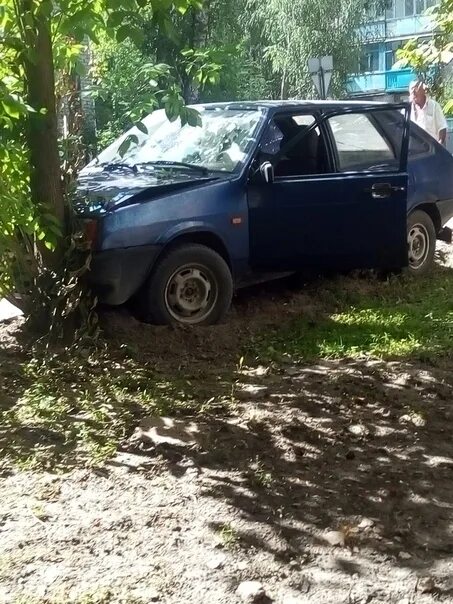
{"type": "Point", "coordinates": [147, 54]}
{"type": "Point", "coordinates": [432, 59]}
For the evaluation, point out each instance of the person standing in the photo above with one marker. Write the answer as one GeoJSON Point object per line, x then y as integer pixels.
{"type": "Point", "coordinates": [427, 113]}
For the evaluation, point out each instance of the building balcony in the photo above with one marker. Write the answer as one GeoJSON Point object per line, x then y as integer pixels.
{"type": "Point", "coordinates": [397, 29]}
{"type": "Point", "coordinates": [393, 80]}
{"type": "Point", "coordinates": [374, 31]}
{"type": "Point", "coordinates": [408, 27]}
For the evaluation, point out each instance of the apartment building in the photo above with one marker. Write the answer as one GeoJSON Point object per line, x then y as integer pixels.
{"type": "Point", "coordinates": [385, 32]}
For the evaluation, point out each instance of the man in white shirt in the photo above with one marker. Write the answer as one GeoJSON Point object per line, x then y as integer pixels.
{"type": "Point", "coordinates": [427, 113]}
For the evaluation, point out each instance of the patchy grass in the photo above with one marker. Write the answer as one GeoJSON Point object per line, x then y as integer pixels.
{"type": "Point", "coordinates": [366, 318]}
{"type": "Point", "coordinates": [228, 535]}
{"type": "Point", "coordinates": [76, 406]}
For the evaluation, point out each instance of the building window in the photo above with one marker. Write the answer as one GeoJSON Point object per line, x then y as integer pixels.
{"type": "Point", "coordinates": [417, 7]}
{"type": "Point", "coordinates": [389, 59]}
{"type": "Point", "coordinates": [390, 9]}
{"type": "Point", "coordinates": [408, 8]}
{"type": "Point", "coordinates": [370, 59]}
{"type": "Point", "coordinates": [390, 53]}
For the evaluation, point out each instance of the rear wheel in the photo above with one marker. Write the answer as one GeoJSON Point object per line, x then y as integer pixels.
{"type": "Point", "coordinates": [191, 285]}
{"type": "Point", "coordinates": [421, 242]}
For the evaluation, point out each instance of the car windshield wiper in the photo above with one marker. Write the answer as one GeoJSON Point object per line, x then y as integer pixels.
{"type": "Point", "coordinates": [118, 166]}
{"type": "Point", "coordinates": [174, 164]}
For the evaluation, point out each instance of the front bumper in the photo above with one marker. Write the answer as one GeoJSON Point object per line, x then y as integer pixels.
{"type": "Point", "coordinates": [116, 275]}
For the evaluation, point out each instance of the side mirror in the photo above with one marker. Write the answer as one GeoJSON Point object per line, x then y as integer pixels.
{"type": "Point", "coordinates": [267, 172]}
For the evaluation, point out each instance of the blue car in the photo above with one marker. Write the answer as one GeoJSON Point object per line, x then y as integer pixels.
{"type": "Point", "coordinates": [180, 216]}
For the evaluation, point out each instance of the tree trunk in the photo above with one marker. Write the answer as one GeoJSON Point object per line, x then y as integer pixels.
{"type": "Point", "coordinates": [191, 88]}
{"type": "Point", "coordinates": [283, 86]}
{"type": "Point", "coordinates": [45, 179]}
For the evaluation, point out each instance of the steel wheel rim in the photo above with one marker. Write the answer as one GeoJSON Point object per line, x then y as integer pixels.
{"type": "Point", "coordinates": [191, 293]}
{"type": "Point", "coordinates": [418, 244]}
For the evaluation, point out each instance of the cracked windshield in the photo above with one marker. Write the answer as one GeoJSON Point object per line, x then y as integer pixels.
{"type": "Point", "coordinates": [221, 142]}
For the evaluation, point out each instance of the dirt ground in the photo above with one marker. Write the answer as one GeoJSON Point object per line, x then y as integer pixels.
{"type": "Point", "coordinates": [330, 483]}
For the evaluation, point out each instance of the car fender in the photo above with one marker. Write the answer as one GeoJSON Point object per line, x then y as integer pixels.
{"type": "Point", "coordinates": [198, 232]}
{"type": "Point", "coordinates": [431, 209]}
{"type": "Point", "coordinates": [186, 228]}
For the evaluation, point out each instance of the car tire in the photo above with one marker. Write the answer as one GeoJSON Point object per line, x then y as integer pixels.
{"type": "Point", "coordinates": [421, 243]}
{"type": "Point", "coordinates": [191, 285]}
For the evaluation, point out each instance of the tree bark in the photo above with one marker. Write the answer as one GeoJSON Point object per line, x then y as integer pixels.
{"type": "Point", "coordinates": [191, 88]}
{"type": "Point", "coordinates": [45, 178]}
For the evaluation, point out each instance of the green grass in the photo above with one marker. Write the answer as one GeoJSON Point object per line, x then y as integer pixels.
{"type": "Point", "coordinates": [404, 317]}
{"type": "Point", "coordinates": [74, 407]}
{"type": "Point", "coordinates": [228, 535]}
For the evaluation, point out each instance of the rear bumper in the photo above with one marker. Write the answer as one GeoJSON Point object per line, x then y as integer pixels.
{"type": "Point", "coordinates": [116, 275]}
{"type": "Point", "coordinates": [445, 234]}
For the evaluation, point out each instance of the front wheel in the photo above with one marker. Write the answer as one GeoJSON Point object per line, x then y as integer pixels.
{"type": "Point", "coordinates": [421, 242]}
{"type": "Point", "coordinates": [191, 285]}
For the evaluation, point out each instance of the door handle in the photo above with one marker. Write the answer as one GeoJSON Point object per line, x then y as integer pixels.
{"type": "Point", "coordinates": [382, 190]}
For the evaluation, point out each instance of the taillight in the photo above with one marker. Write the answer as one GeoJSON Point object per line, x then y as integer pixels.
{"type": "Point", "coordinates": [91, 231]}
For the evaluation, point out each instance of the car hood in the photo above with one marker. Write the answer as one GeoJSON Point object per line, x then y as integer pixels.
{"type": "Point", "coordinates": [99, 190]}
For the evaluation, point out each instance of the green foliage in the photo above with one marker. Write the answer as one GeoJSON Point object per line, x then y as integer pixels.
{"type": "Point", "coordinates": [129, 86]}
{"type": "Point", "coordinates": [29, 229]}
{"type": "Point", "coordinates": [211, 54]}
{"type": "Point", "coordinates": [76, 405]}
{"type": "Point", "coordinates": [228, 535]}
{"type": "Point", "coordinates": [429, 58]}
{"type": "Point", "coordinates": [124, 87]}
{"type": "Point", "coordinates": [20, 221]}
{"type": "Point", "coordinates": [203, 65]}
{"type": "Point", "coordinates": [227, 51]}
{"type": "Point", "coordinates": [83, 401]}
{"type": "Point", "coordinates": [292, 32]}
{"type": "Point", "coordinates": [406, 317]}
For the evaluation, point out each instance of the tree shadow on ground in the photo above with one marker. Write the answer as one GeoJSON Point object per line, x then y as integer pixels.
{"type": "Point", "coordinates": [323, 446]}
{"type": "Point", "coordinates": [359, 447]}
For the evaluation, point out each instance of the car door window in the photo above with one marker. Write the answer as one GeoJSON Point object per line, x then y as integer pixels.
{"type": "Point", "coordinates": [360, 146]}
{"type": "Point", "coordinates": [418, 146]}
{"type": "Point", "coordinates": [392, 123]}
{"type": "Point", "coordinates": [294, 145]}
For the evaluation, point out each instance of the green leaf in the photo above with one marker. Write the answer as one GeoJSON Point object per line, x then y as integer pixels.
{"type": "Point", "coordinates": [141, 126]}
{"type": "Point", "coordinates": [126, 144]}
{"type": "Point", "coordinates": [13, 107]}
{"type": "Point", "coordinates": [193, 117]}
{"type": "Point", "coordinates": [448, 106]}
{"type": "Point", "coordinates": [115, 19]}
{"type": "Point", "coordinates": [123, 33]}
{"type": "Point", "coordinates": [172, 110]}
{"type": "Point", "coordinates": [137, 36]}
{"type": "Point", "coordinates": [114, 5]}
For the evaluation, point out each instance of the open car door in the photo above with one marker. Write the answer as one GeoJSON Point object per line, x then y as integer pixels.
{"type": "Point", "coordinates": [349, 211]}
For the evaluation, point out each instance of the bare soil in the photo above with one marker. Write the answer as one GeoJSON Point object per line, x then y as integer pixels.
{"type": "Point", "coordinates": [329, 482]}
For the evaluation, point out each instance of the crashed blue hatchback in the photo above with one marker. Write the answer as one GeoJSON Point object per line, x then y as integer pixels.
{"type": "Point", "coordinates": [187, 214]}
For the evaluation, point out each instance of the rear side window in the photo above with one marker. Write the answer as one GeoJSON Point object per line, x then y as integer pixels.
{"type": "Point", "coordinates": [392, 122]}
{"type": "Point", "coordinates": [418, 146]}
{"type": "Point", "coordinates": [359, 144]}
